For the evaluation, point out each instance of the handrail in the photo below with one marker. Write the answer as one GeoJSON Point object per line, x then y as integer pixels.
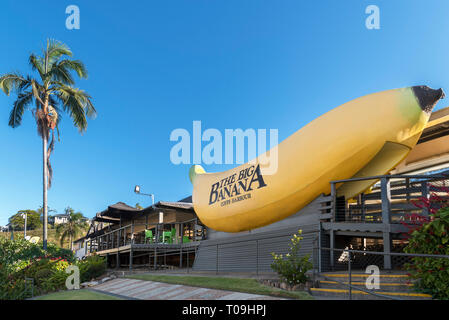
{"type": "Point", "coordinates": [422, 255]}
{"type": "Point", "coordinates": [393, 176]}
{"type": "Point", "coordinates": [349, 251]}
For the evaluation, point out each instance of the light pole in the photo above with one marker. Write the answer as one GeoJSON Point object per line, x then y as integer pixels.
{"type": "Point", "coordinates": [24, 215]}
{"type": "Point", "coordinates": [137, 190]}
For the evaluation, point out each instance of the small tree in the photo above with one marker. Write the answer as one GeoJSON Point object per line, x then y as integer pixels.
{"type": "Point", "coordinates": [75, 224]}
{"type": "Point", "coordinates": [292, 268]}
{"type": "Point", "coordinates": [432, 237]}
{"type": "Point", "coordinates": [33, 220]}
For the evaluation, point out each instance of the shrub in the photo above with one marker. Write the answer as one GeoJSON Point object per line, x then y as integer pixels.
{"type": "Point", "coordinates": [292, 268]}
{"type": "Point", "coordinates": [55, 282]}
{"type": "Point", "coordinates": [91, 267]}
{"type": "Point", "coordinates": [431, 274]}
{"type": "Point", "coordinates": [20, 259]}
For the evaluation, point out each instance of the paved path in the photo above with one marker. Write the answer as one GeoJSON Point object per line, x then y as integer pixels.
{"type": "Point", "coordinates": [150, 290]}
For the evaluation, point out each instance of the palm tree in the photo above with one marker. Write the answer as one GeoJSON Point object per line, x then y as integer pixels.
{"type": "Point", "coordinates": [51, 90]}
{"type": "Point", "coordinates": [76, 224]}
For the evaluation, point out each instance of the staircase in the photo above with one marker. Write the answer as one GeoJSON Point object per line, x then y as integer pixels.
{"type": "Point", "coordinates": [392, 284]}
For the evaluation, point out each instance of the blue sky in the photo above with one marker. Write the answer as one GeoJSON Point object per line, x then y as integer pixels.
{"type": "Point", "coordinates": [155, 66]}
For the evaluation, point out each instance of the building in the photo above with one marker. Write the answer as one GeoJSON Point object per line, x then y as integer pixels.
{"type": "Point", "coordinates": [163, 235]}
{"type": "Point", "coordinates": [374, 221]}
{"type": "Point", "coordinates": [58, 219]}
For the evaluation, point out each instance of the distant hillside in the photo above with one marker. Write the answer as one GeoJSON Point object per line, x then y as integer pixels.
{"type": "Point", "coordinates": [51, 233]}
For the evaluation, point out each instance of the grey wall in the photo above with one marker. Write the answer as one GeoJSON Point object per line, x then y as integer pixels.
{"type": "Point", "coordinates": [250, 251]}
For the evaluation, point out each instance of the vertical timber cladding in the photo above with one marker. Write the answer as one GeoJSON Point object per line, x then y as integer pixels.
{"type": "Point", "coordinates": [252, 252]}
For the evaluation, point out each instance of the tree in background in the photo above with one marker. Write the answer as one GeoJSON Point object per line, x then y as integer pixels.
{"type": "Point", "coordinates": [47, 93]}
{"type": "Point", "coordinates": [75, 225]}
{"type": "Point", "coordinates": [33, 220]}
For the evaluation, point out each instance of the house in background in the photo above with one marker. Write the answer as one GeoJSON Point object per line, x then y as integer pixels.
{"type": "Point", "coordinates": [58, 219]}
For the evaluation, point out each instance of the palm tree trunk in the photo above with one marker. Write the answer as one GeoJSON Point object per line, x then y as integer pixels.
{"type": "Point", "coordinates": [45, 184]}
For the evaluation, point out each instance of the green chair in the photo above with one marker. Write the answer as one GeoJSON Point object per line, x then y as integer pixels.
{"type": "Point", "coordinates": [166, 237]}
{"type": "Point", "coordinates": [149, 235]}
{"type": "Point", "coordinates": [185, 239]}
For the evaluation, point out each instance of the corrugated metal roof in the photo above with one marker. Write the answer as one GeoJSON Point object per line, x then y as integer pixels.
{"type": "Point", "coordinates": [178, 205]}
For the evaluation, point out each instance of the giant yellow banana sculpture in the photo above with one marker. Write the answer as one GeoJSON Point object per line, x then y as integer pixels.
{"type": "Point", "coordinates": [364, 137]}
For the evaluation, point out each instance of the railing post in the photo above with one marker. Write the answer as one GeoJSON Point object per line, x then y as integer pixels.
{"type": "Point", "coordinates": [386, 219]}
{"type": "Point", "coordinates": [333, 202]}
{"type": "Point", "coordinates": [362, 203]}
{"type": "Point", "coordinates": [332, 245]}
{"type": "Point", "coordinates": [425, 195]}
{"type": "Point", "coordinates": [349, 274]}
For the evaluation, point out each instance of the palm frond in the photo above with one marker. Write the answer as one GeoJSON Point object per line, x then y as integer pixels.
{"type": "Point", "coordinates": [20, 105]}
{"type": "Point", "coordinates": [54, 51]}
{"type": "Point", "coordinates": [77, 104]}
{"type": "Point", "coordinates": [37, 64]}
{"type": "Point", "coordinates": [12, 82]}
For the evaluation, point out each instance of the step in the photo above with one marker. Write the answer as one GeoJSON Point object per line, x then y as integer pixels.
{"type": "Point", "coordinates": [360, 295]}
{"type": "Point", "coordinates": [384, 286]}
{"type": "Point", "coordinates": [384, 278]}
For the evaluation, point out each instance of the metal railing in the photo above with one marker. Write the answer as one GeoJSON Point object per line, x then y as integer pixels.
{"type": "Point", "coordinates": [127, 235]}
{"type": "Point", "coordinates": [392, 200]}
{"type": "Point", "coordinates": [350, 255]}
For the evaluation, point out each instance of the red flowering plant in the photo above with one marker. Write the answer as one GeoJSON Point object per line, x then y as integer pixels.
{"type": "Point", "coordinates": [430, 235]}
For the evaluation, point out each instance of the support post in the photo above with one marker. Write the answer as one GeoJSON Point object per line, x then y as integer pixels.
{"type": "Point", "coordinates": [131, 258]}
{"type": "Point", "coordinates": [155, 258]}
{"type": "Point", "coordinates": [132, 232]}
{"type": "Point", "coordinates": [180, 257]}
{"type": "Point", "coordinates": [319, 249]}
{"type": "Point", "coordinates": [386, 219]}
{"type": "Point", "coordinates": [332, 247]}
{"type": "Point", "coordinates": [117, 260]}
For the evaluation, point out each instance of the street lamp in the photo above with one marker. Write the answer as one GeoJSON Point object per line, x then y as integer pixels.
{"type": "Point", "coordinates": [24, 215]}
{"type": "Point", "coordinates": [137, 190]}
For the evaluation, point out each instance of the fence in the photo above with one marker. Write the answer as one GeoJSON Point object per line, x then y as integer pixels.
{"type": "Point", "coordinates": [349, 257]}
{"type": "Point", "coordinates": [395, 199]}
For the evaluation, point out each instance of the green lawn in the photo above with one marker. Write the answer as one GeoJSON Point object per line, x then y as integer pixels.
{"type": "Point", "coordinates": [231, 284]}
{"type": "Point", "coordinates": [81, 294]}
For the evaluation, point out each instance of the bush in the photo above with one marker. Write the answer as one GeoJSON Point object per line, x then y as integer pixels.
{"type": "Point", "coordinates": [91, 267]}
{"type": "Point", "coordinates": [292, 269]}
{"type": "Point", "coordinates": [431, 274]}
{"type": "Point", "coordinates": [53, 283]}
{"type": "Point", "coordinates": [20, 259]}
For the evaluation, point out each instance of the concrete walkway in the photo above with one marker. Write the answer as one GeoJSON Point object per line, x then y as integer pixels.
{"type": "Point", "coordinates": [150, 290]}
